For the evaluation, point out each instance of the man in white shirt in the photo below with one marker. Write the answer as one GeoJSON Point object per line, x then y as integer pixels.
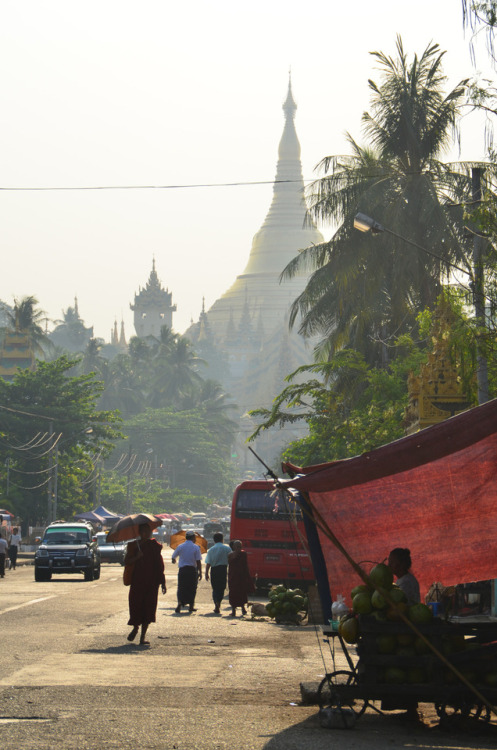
{"type": "Point", "coordinates": [189, 573]}
{"type": "Point", "coordinates": [15, 543]}
{"type": "Point", "coordinates": [3, 554]}
{"type": "Point", "coordinates": [217, 563]}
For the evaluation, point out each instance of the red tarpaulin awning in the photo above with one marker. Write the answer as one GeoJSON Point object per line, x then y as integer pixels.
{"type": "Point", "coordinates": [434, 492]}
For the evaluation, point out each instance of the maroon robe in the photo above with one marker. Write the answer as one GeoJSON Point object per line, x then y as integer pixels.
{"type": "Point", "coordinates": [148, 575]}
{"type": "Point", "coordinates": [239, 580]}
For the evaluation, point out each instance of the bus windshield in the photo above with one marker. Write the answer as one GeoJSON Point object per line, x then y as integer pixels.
{"type": "Point", "coordinates": [262, 504]}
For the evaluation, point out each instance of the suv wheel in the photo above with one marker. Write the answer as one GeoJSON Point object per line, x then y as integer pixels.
{"type": "Point", "coordinates": [42, 575]}
{"type": "Point", "coordinates": [96, 573]}
{"type": "Point", "coordinates": [89, 574]}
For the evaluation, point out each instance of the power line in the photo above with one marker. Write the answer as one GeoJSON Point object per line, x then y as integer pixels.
{"type": "Point", "coordinates": [27, 413]}
{"type": "Point", "coordinates": [149, 187]}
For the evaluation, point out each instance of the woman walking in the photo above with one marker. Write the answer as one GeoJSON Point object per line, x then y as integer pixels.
{"type": "Point", "coordinates": [148, 574]}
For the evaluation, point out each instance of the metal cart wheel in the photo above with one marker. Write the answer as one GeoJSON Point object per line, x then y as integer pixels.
{"type": "Point", "coordinates": [329, 692]}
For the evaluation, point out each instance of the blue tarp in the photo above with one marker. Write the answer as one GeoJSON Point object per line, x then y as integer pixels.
{"type": "Point", "coordinates": [99, 515]}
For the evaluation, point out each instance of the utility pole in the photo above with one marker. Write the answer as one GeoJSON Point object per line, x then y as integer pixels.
{"type": "Point", "coordinates": [479, 292]}
{"type": "Point", "coordinates": [99, 482]}
{"type": "Point", "coordinates": [55, 480]}
{"type": "Point", "coordinates": [50, 471]}
{"type": "Point", "coordinates": [129, 486]}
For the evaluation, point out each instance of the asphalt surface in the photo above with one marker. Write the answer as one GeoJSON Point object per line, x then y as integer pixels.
{"type": "Point", "coordinates": [70, 679]}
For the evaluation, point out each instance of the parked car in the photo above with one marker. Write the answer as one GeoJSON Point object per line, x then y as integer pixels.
{"type": "Point", "coordinates": [110, 553]}
{"type": "Point", "coordinates": [67, 548]}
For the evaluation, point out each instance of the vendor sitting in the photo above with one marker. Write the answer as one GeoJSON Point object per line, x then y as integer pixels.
{"type": "Point", "coordinates": [399, 560]}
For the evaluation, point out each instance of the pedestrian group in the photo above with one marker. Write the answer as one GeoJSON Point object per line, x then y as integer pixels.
{"type": "Point", "coordinates": [224, 565]}
{"type": "Point", "coordinates": [8, 552]}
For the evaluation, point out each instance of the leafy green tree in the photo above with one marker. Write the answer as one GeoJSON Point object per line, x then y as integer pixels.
{"type": "Point", "coordinates": [149, 495]}
{"type": "Point", "coordinates": [351, 407]}
{"type": "Point", "coordinates": [184, 448]}
{"type": "Point", "coordinates": [48, 417]}
{"type": "Point", "coordinates": [363, 294]}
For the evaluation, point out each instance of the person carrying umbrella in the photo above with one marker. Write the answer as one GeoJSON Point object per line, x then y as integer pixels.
{"type": "Point", "coordinates": [189, 573]}
{"type": "Point", "coordinates": [145, 555]}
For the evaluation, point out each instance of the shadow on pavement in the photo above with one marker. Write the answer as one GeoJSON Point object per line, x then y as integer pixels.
{"type": "Point", "coordinates": [126, 648]}
{"type": "Point", "coordinates": [373, 732]}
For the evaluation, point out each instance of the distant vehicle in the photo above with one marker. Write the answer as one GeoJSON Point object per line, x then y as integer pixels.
{"type": "Point", "coordinates": [67, 548]}
{"type": "Point", "coordinates": [189, 527]}
{"type": "Point", "coordinates": [198, 518]}
{"type": "Point", "coordinates": [210, 528]}
{"type": "Point", "coordinates": [271, 529]}
{"type": "Point", "coordinates": [110, 553]}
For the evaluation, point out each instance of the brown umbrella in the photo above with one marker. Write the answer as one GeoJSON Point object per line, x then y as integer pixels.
{"type": "Point", "coordinates": [180, 537]}
{"type": "Point", "coordinates": [127, 528]}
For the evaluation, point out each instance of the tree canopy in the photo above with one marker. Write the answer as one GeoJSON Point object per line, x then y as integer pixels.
{"type": "Point", "coordinates": [49, 419]}
{"type": "Point", "coordinates": [363, 294]}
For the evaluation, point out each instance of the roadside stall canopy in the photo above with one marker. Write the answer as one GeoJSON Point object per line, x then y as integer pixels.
{"type": "Point", "coordinates": [108, 515]}
{"type": "Point", "coordinates": [91, 516]}
{"type": "Point", "coordinates": [100, 515]}
{"type": "Point", "coordinates": [434, 492]}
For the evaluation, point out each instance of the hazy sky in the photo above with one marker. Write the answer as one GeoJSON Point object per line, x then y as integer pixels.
{"type": "Point", "coordinates": [119, 93]}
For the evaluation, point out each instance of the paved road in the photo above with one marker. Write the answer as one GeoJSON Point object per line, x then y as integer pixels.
{"type": "Point", "coordinates": [69, 679]}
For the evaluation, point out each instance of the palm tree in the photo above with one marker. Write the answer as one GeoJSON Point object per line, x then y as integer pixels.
{"type": "Point", "coordinates": [92, 359]}
{"type": "Point", "coordinates": [122, 388]}
{"type": "Point", "coordinates": [217, 410]}
{"type": "Point", "coordinates": [175, 374]}
{"type": "Point", "coordinates": [363, 293]}
{"type": "Point", "coordinates": [26, 318]}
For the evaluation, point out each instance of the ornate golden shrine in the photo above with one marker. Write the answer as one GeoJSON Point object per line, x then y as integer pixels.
{"type": "Point", "coordinates": [436, 393]}
{"type": "Point", "coordinates": [15, 354]}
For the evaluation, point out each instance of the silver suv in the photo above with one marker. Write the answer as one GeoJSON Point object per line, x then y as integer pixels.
{"type": "Point", "coordinates": [67, 548]}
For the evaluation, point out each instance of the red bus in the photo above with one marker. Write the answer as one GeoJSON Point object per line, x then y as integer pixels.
{"type": "Point", "coordinates": [271, 529]}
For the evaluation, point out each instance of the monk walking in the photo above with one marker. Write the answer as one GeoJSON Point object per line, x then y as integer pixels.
{"type": "Point", "coordinates": [239, 581]}
{"type": "Point", "coordinates": [148, 574]}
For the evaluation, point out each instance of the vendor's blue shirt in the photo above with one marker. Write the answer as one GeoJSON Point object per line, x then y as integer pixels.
{"type": "Point", "coordinates": [217, 555]}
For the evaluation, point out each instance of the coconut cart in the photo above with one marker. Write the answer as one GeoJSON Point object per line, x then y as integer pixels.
{"type": "Point", "coordinates": [396, 667]}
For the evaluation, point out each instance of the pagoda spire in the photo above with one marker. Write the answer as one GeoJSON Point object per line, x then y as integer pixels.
{"type": "Point", "coordinates": [274, 245]}
{"type": "Point", "coordinates": [283, 233]}
{"type": "Point", "coordinates": [122, 337]}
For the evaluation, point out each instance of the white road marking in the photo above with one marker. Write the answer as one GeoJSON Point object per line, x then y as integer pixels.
{"type": "Point", "coordinates": [27, 604]}
{"type": "Point", "coordinates": [101, 583]}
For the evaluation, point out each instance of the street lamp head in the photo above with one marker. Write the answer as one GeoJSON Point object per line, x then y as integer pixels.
{"type": "Point", "coordinates": [366, 224]}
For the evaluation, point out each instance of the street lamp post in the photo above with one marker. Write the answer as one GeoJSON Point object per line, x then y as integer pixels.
{"type": "Point", "coordinates": [478, 292]}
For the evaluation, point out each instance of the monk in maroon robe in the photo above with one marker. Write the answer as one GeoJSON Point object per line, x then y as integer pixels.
{"type": "Point", "coordinates": [239, 580]}
{"type": "Point", "coordinates": [148, 574]}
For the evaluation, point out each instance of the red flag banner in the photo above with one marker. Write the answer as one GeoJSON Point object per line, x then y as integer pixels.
{"type": "Point", "coordinates": [434, 492]}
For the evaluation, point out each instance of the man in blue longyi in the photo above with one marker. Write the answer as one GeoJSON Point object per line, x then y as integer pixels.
{"type": "Point", "coordinates": [217, 563]}
{"type": "Point", "coordinates": [189, 573]}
